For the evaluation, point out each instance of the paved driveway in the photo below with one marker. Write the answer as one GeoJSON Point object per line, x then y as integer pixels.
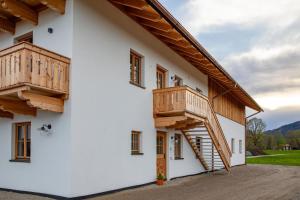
{"type": "Point", "coordinates": [244, 183]}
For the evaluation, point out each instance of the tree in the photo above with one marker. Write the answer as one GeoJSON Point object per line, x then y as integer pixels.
{"type": "Point", "coordinates": [270, 142]}
{"type": "Point", "coordinates": [255, 129]}
{"type": "Point", "coordinates": [293, 138]}
{"type": "Point", "coordinates": [280, 140]}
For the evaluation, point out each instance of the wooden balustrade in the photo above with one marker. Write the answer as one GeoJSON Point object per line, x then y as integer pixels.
{"type": "Point", "coordinates": [179, 100]}
{"type": "Point", "coordinates": [27, 64]}
{"type": "Point", "coordinates": [32, 78]}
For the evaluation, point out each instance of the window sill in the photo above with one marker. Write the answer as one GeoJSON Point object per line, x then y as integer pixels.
{"type": "Point", "coordinates": [137, 154]}
{"type": "Point", "coordinates": [20, 160]}
{"type": "Point", "coordinates": [179, 158]}
{"type": "Point", "coordinates": [135, 84]}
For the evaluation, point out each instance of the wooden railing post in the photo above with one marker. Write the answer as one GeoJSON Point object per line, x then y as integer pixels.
{"type": "Point", "coordinates": [26, 63]}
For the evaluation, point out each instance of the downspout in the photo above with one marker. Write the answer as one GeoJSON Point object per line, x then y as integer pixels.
{"type": "Point", "coordinates": [252, 115]}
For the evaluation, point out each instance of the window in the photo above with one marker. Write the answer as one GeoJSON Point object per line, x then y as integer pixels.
{"type": "Point", "coordinates": [136, 143]}
{"type": "Point", "coordinates": [177, 146]}
{"type": "Point", "coordinates": [178, 81]}
{"type": "Point", "coordinates": [160, 78]}
{"type": "Point", "coordinates": [199, 143]}
{"type": "Point", "coordinates": [240, 146]}
{"type": "Point", "coordinates": [22, 141]}
{"type": "Point", "coordinates": [28, 37]}
{"type": "Point", "coordinates": [160, 144]}
{"type": "Point", "coordinates": [135, 69]}
{"type": "Point", "coordinates": [232, 145]}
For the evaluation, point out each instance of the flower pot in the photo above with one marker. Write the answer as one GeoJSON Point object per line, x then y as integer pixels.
{"type": "Point", "coordinates": [159, 182]}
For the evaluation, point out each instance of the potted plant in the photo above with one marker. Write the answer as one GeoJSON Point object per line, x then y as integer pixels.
{"type": "Point", "coordinates": [160, 179]}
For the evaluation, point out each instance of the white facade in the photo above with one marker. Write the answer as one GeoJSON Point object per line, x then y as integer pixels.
{"type": "Point", "coordinates": [236, 131]}
{"type": "Point", "coordinates": [89, 150]}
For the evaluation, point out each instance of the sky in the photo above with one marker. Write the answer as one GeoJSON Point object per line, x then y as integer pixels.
{"type": "Point", "coordinates": [257, 42]}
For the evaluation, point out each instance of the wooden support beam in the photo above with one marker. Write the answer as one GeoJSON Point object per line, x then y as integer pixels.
{"type": "Point", "coordinates": [159, 25]}
{"type": "Point", "coordinates": [163, 122]}
{"type": "Point", "coordinates": [7, 26]}
{"type": "Point", "coordinates": [180, 42]}
{"type": "Point", "coordinates": [148, 15]}
{"type": "Point", "coordinates": [172, 34]}
{"type": "Point", "coordinates": [189, 50]}
{"type": "Point", "coordinates": [42, 102]}
{"type": "Point", "coordinates": [5, 114]}
{"type": "Point", "coordinates": [12, 91]}
{"type": "Point", "coordinates": [20, 9]}
{"type": "Point", "coordinates": [56, 5]}
{"type": "Point", "coordinates": [138, 4]}
{"type": "Point", "coordinates": [18, 107]}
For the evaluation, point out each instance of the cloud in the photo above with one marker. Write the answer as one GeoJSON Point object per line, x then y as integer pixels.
{"type": "Point", "coordinates": [257, 42]}
{"type": "Point", "coordinates": [202, 15]}
{"type": "Point", "coordinates": [279, 117]}
{"type": "Point", "coordinates": [270, 69]}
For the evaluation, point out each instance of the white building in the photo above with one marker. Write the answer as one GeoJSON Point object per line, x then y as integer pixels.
{"type": "Point", "coordinates": [81, 112]}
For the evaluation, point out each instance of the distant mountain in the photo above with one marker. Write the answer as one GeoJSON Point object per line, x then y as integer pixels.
{"type": "Point", "coordinates": [285, 128]}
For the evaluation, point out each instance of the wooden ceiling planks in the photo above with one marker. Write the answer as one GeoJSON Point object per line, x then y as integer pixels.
{"type": "Point", "coordinates": [20, 10]}
{"type": "Point", "coordinates": [157, 20]}
{"type": "Point", "coordinates": [56, 5]}
{"type": "Point", "coordinates": [7, 26]}
{"type": "Point", "coordinates": [12, 11]}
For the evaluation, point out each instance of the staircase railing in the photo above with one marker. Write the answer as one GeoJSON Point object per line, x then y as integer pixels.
{"type": "Point", "coordinates": [173, 100]}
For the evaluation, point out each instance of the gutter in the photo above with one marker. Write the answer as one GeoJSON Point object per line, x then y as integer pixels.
{"type": "Point", "coordinates": [252, 115]}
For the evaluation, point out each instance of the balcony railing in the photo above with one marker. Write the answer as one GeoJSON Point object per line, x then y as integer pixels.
{"type": "Point", "coordinates": [176, 101]}
{"type": "Point", "coordinates": [27, 64]}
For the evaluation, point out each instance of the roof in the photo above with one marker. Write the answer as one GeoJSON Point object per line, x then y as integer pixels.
{"type": "Point", "coordinates": [156, 19]}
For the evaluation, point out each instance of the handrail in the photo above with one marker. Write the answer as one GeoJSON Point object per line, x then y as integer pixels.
{"type": "Point", "coordinates": [28, 64]}
{"type": "Point", "coordinates": [186, 99]}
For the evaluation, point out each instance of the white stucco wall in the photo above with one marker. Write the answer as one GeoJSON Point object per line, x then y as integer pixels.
{"type": "Point", "coordinates": [60, 41]}
{"type": "Point", "coordinates": [89, 150]}
{"type": "Point", "coordinates": [234, 130]}
{"type": "Point", "coordinates": [102, 121]}
{"type": "Point", "coordinates": [49, 170]}
{"type": "Point", "coordinates": [189, 165]}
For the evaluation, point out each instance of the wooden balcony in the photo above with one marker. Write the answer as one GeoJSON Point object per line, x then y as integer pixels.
{"type": "Point", "coordinates": [32, 78]}
{"type": "Point", "coordinates": [183, 108]}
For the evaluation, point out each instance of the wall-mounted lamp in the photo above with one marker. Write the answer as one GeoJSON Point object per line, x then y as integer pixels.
{"type": "Point", "coordinates": [46, 128]}
{"type": "Point", "coordinates": [50, 30]}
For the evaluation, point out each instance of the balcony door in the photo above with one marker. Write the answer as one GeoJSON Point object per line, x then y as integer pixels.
{"type": "Point", "coordinates": [161, 77]}
{"type": "Point", "coordinates": [161, 148]}
{"type": "Point", "coordinates": [28, 37]}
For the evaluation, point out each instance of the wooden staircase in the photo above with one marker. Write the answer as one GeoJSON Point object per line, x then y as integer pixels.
{"type": "Point", "coordinates": [196, 150]}
{"type": "Point", "coordinates": [210, 157]}
{"type": "Point", "coordinates": [185, 109]}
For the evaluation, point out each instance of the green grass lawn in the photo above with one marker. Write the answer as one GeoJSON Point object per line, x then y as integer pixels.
{"type": "Point", "coordinates": [291, 158]}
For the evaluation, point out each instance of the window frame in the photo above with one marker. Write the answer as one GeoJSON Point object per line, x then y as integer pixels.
{"type": "Point", "coordinates": [24, 38]}
{"type": "Point", "coordinates": [178, 147]}
{"type": "Point", "coordinates": [163, 72]}
{"type": "Point", "coordinates": [136, 143]}
{"type": "Point", "coordinates": [137, 81]}
{"type": "Point", "coordinates": [25, 126]}
{"type": "Point", "coordinates": [232, 145]}
{"type": "Point", "coordinates": [240, 146]}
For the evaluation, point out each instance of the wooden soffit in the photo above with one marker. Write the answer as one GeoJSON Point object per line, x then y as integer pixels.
{"type": "Point", "coordinates": [12, 11]}
{"type": "Point", "coordinates": [156, 19]}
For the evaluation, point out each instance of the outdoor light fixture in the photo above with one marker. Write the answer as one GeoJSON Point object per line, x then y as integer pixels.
{"type": "Point", "coordinates": [50, 30]}
{"type": "Point", "coordinates": [46, 128]}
